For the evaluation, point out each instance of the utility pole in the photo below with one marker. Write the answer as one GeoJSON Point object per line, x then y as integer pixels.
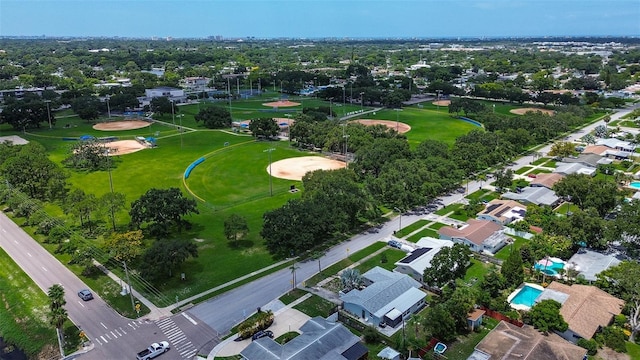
{"type": "Point", "coordinates": [133, 306]}
{"type": "Point", "coordinates": [48, 113]}
{"type": "Point", "coordinates": [270, 177]}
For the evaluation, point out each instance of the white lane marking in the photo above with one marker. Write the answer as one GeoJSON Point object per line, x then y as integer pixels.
{"type": "Point", "coordinates": [98, 341]}
{"type": "Point", "coordinates": [117, 332]}
{"type": "Point", "coordinates": [183, 346]}
{"type": "Point", "coordinates": [29, 254]}
{"type": "Point", "coordinates": [81, 304]}
{"type": "Point", "coordinates": [173, 331]}
{"type": "Point", "coordinates": [103, 339]}
{"type": "Point", "coordinates": [15, 241]}
{"type": "Point", "coordinates": [114, 335]}
{"type": "Point", "coordinates": [131, 326]}
{"type": "Point", "coordinates": [45, 269]}
{"type": "Point", "coordinates": [121, 329]}
{"type": "Point", "coordinates": [107, 335]}
{"type": "Point", "coordinates": [189, 318]}
{"type": "Point", "coordinates": [3, 230]}
{"type": "Point", "coordinates": [103, 325]}
{"type": "Point", "coordinates": [185, 352]}
{"type": "Point", "coordinates": [191, 354]}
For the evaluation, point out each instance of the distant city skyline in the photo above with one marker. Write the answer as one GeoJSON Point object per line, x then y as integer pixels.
{"type": "Point", "coordinates": [319, 18]}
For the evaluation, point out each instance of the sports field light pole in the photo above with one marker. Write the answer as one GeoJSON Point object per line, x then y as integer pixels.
{"type": "Point", "coordinates": [181, 129]}
{"type": "Point", "coordinates": [48, 112]}
{"type": "Point", "coordinates": [270, 180]}
{"type": "Point", "coordinates": [108, 107]}
{"type": "Point", "coordinates": [173, 114]}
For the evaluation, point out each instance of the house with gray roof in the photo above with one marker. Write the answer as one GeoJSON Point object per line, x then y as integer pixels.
{"type": "Point", "coordinates": [590, 263]}
{"type": "Point", "coordinates": [616, 144]}
{"type": "Point", "coordinates": [388, 298]}
{"type": "Point", "coordinates": [320, 339]}
{"type": "Point", "coordinates": [534, 195]}
{"type": "Point", "coordinates": [565, 169]}
{"type": "Point", "coordinates": [590, 160]}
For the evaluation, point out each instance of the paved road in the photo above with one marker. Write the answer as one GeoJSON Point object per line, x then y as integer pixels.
{"type": "Point", "coordinates": [226, 310]}
{"type": "Point", "coordinates": [113, 336]}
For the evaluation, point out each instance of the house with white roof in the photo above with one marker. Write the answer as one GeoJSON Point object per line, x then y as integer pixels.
{"type": "Point", "coordinates": [534, 195]}
{"type": "Point", "coordinates": [388, 298]}
{"type": "Point", "coordinates": [614, 143]}
{"type": "Point", "coordinates": [419, 259]}
{"type": "Point", "coordinates": [574, 168]}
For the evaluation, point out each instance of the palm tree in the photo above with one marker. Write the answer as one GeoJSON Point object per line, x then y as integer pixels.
{"type": "Point", "coordinates": [56, 297]}
{"type": "Point", "coordinates": [293, 275]}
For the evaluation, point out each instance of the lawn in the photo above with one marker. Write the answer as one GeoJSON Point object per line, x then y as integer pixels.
{"type": "Point", "coordinates": [449, 208]}
{"type": "Point", "coordinates": [523, 170]}
{"type": "Point", "coordinates": [475, 273]}
{"type": "Point", "coordinates": [464, 345]}
{"type": "Point", "coordinates": [540, 171]}
{"type": "Point", "coordinates": [24, 310]}
{"type": "Point", "coordinates": [633, 350]}
{"type": "Point", "coordinates": [411, 228]}
{"type": "Point", "coordinates": [316, 306]}
{"type": "Point", "coordinates": [427, 232]}
{"type": "Point", "coordinates": [391, 255]}
{"type": "Point", "coordinates": [426, 123]}
{"type": "Point", "coordinates": [540, 161]}
{"type": "Point", "coordinates": [503, 254]}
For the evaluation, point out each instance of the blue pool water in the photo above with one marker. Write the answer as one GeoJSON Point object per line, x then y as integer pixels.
{"type": "Point", "coordinates": [550, 270]}
{"type": "Point", "coordinates": [635, 184]}
{"type": "Point", "coordinates": [526, 296]}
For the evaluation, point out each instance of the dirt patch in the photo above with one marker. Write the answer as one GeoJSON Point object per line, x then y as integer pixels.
{"type": "Point", "coordinates": [442, 103]}
{"type": "Point", "coordinates": [522, 111]}
{"type": "Point", "coordinates": [398, 126]}
{"type": "Point", "coordinates": [123, 147]}
{"type": "Point", "coordinates": [121, 125]}
{"type": "Point", "coordinates": [281, 103]}
{"type": "Point", "coordinates": [295, 168]}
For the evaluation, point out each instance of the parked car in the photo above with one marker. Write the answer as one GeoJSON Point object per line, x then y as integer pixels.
{"type": "Point", "coordinates": [154, 350]}
{"type": "Point", "coordinates": [395, 244]}
{"type": "Point", "coordinates": [85, 295]}
{"type": "Point", "coordinates": [261, 334]}
{"type": "Point", "coordinates": [533, 176]}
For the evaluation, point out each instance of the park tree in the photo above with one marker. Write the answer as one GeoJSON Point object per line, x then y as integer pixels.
{"type": "Point", "coordinates": [623, 281]}
{"type": "Point", "coordinates": [57, 313]}
{"type": "Point", "coordinates": [124, 246]}
{"type": "Point", "coordinates": [23, 115]}
{"type": "Point", "coordinates": [372, 157]}
{"type": "Point", "coordinates": [214, 117]}
{"type": "Point", "coordinates": [545, 316]}
{"type": "Point", "coordinates": [512, 269]}
{"type": "Point", "coordinates": [165, 256]}
{"type": "Point", "coordinates": [448, 264]}
{"type": "Point", "coordinates": [162, 105]}
{"type": "Point", "coordinates": [562, 149]}
{"type": "Point", "coordinates": [87, 107]}
{"type": "Point", "coordinates": [123, 101]}
{"type": "Point", "coordinates": [162, 208]}
{"type": "Point", "coordinates": [110, 204]}
{"type": "Point", "coordinates": [30, 170]}
{"type": "Point", "coordinates": [235, 227]}
{"type": "Point", "coordinates": [88, 155]}
{"type": "Point", "coordinates": [264, 127]}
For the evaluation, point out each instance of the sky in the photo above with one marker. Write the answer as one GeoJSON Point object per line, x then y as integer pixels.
{"type": "Point", "coordinates": [319, 18]}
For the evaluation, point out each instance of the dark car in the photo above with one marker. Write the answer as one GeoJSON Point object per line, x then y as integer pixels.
{"type": "Point", "coordinates": [85, 295]}
{"type": "Point", "coordinates": [394, 243]}
{"type": "Point", "coordinates": [261, 334]}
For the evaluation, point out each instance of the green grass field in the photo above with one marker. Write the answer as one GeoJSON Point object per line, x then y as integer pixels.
{"type": "Point", "coordinates": [23, 314]}
{"type": "Point", "coordinates": [232, 179]}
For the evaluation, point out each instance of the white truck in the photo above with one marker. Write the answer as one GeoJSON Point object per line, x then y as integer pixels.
{"type": "Point", "coordinates": [153, 350]}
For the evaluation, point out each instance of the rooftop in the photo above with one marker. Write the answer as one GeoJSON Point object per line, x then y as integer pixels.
{"type": "Point", "coordinates": [420, 258]}
{"type": "Point", "coordinates": [476, 231]}
{"type": "Point", "coordinates": [534, 195]}
{"type": "Point", "coordinates": [510, 342]}
{"type": "Point", "coordinates": [505, 210]}
{"type": "Point", "coordinates": [546, 180]}
{"type": "Point", "coordinates": [586, 307]}
{"type": "Point", "coordinates": [590, 263]}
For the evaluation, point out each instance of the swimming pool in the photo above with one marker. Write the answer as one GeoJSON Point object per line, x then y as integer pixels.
{"type": "Point", "coordinates": [549, 266]}
{"type": "Point", "coordinates": [635, 185]}
{"type": "Point", "coordinates": [525, 297]}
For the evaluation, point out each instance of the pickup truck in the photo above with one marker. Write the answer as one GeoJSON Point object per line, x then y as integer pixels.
{"type": "Point", "coordinates": [154, 350]}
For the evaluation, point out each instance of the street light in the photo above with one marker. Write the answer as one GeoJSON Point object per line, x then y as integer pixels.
{"type": "Point", "coordinates": [270, 178]}
{"type": "Point", "coordinates": [173, 114]}
{"type": "Point", "coordinates": [399, 212]}
{"type": "Point", "coordinates": [48, 112]}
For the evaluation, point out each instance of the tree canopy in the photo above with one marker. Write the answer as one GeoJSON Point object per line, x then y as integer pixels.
{"type": "Point", "coordinates": [214, 117]}
{"type": "Point", "coordinates": [448, 264]}
{"type": "Point", "coordinates": [161, 208]}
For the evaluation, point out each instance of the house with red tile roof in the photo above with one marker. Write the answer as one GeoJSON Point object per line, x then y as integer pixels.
{"type": "Point", "coordinates": [479, 235]}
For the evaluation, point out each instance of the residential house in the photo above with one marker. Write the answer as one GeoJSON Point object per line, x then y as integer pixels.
{"type": "Point", "coordinates": [389, 354]}
{"type": "Point", "coordinates": [616, 144]}
{"type": "Point", "coordinates": [195, 82]}
{"type": "Point", "coordinates": [419, 259]}
{"type": "Point", "coordinates": [546, 180]}
{"type": "Point", "coordinates": [509, 342]}
{"type": "Point", "coordinates": [534, 195]}
{"type": "Point", "coordinates": [320, 339]}
{"type": "Point", "coordinates": [574, 168]}
{"type": "Point", "coordinates": [388, 298]}
{"type": "Point", "coordinates": [590, 160]}
{"type": "Point", "coordinates": [503, 212]}
{"type": "Point", "coordinates": [590, 263]}
{"type": "Point", "coordinates": [479, 235]}
{"type": "Point", "coordinates": [596, 149]}
{"type": "Point", "coordinates": [584, 307]}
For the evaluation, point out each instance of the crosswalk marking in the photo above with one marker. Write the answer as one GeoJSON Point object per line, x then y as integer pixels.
{"type": "Point", "coordinates": [177, 338]}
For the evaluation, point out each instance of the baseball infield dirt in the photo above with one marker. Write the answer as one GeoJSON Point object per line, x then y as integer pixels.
{"type": "Point", "coordinates": [295, 168]}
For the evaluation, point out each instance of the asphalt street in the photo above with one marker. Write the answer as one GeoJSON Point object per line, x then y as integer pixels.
{"type": "Point", "coordinates": [113, 336]}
